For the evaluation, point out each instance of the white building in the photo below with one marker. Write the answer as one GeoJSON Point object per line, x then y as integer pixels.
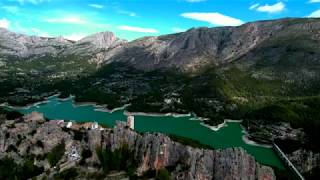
{"type": "Point", "coordinates": [94, 125]}
{"type": "Point", "coordinates": [130, 122]}
{"type": "Point", "coordinates": [69, 124]}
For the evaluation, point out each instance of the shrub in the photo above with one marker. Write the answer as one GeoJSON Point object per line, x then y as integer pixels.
{"type": "Point", "coordinates": [12, 148]}
{"type": "Point", "coordinates": [78, 135]}
{"type": "Point", "coordinates": [86, 153]}
{"type": "Point", "coordinates": [30, 170]}
{"type": "Point", "coordinates": [67, 174]}
{"type": "Point", "coordinates": [119, 159]}
{"type": "Point", "coordinates": [189, 142]}
{"type": "Point", "coordinates": [12, 115]}
{"type": "Point", "coordinates": [10, 170]}
{"type": "Point", "coordinates": [40, 144]}
{"type": "Point", "coordinates": [104, 156]}
{"type": "Point", "coordinates": [163, 174]}
{"type": "Point", "coordinates": [56, 154]}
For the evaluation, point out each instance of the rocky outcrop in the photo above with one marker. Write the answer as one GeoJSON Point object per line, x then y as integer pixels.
{"type": "Point", "coordinates": [196, 48]}
{"type": "Point", "coordinates": [305, 160]}
{"type": "Point", "coordinates": [155, 151]}
{"type": "Point", "coordinates": [268, 132]}
{"type": "Point", "coordinates": [189, 50]}
{"type": "Point", "coordinates": [94, 48]}
{"type": "Point", "coordinates": [293, 143]}
{"type": "Point", "coordinates": [22, 46]}
{"type": "Point", "coordinates": [150, 151]}
{"type": "Point", "coordinates": [103, 40]}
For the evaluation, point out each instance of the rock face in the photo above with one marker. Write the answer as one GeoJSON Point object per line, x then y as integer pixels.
{"type": "Point", "coordinates": [151, 151]}
{"type": "Point", "coordinates": [189, 50]}
{"type": "Point", "coordinates": [103, 40]}
{"type": "Point", "coordinates": [18, 46]}
{"type": "Point", "coordinates": [96, 47]}
{"type": "Point", "coordinates": [154, 151]}
{"type": "Point", "coordinates": [22, 46]}
{"type": "Point", "coordinates": [196, 48]}
{"type": "Point", "coordinates": [305, 160]}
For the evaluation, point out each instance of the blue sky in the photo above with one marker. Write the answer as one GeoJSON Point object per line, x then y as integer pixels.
{"type": "Point", "coordinates": [132, 19]}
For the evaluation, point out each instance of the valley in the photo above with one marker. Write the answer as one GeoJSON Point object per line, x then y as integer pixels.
{"type": "Point", "coordinates": [230, 135]}
{"type": "Point", "coordinates": [265, 73]}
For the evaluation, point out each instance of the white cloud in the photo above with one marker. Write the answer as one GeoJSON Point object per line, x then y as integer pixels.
{"type": "Point", "coordinates": [10, 9]}
{"type": "Point", "coordinates": [132, 14]}
{"type": "Point", "coordinates": [35, 2]}
{"type": "Point", "coordinates": [4, 23]}
{"type": "Point", "coordinates": [195, 1]}
{"type": "Point", "coordinates": [129, 13]}
{"type": "Point", "coordinates": [314, 1]}
{"type": "Point", "coordinates": [74, 36]}
{"type": "Point", "coordinates": [275, 8]}
{"type": "Point", "coordinates": [177, 29]}
{"type": "Point", "coordinates": [98, 6]}
{"type": "Point", "coordinates": [213, 18]}
{"type": "Point", "coordinates": [138, 29]}
{"type": "Point", "coordinates": [315, 14]}
{"type": "Point", "coordinates": [28, 30]}
{"type": "Point", "coordinates": [67, 20]}
{"type": "Point", "coordinates": [254, 6]}
{"type": "Point", "coordinates": [39, 32]}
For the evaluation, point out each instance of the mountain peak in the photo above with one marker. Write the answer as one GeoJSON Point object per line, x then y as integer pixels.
{"type": "Point", "coordinates": [101, 39]}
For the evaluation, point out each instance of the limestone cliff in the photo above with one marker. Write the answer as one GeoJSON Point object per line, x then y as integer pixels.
{"type": "Point", "coordinates": [151, 151]}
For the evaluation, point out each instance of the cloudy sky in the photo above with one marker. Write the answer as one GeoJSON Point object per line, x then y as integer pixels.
{"type": "Point", "coordinates": [131, 19]}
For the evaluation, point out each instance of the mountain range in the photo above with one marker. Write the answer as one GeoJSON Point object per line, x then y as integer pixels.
{"type": "Point", "coordinates": [266, 71]}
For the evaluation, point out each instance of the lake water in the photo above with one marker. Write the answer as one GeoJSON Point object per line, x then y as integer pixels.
{"type": "Point", "coordinates": [228, 136]}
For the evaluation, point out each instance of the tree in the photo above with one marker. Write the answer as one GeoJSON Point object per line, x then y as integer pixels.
{"type": "Point", "coordinates": [163, 174]}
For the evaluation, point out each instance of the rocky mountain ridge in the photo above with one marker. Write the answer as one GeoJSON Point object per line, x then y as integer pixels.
{"type": "Point", "coordinates": [199, 47]}
{"type": "Point", "coordinates": [267, 72]}
{"type": "Point", "coordinates": [19, 46]}
{"type": "Point", "coordinates": [22, 46]}
{"type": "Point", "coordinates": [188, 50]}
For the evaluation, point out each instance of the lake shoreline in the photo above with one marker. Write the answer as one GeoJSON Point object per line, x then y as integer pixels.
{"type": "Point", "coordinates": [27, 106]}
{"type": "Point", "coordinates": [24, 107]}
{"type": "Point", "coordinates": [103, 108]}
{"type": "Point", "coordinates": [221, 125]}
{"type": "Point", "coordinates": [247, 140]}
{"type": "Point", "coordinates": [185, 126]}
{"type": "Point", "coordinates": [127, 113]}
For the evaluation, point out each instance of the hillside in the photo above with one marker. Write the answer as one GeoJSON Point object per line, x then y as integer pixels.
{"type": "Point", "coordinates": [266, 72]}
{"type": "Point", "coordinates": [32, 147]}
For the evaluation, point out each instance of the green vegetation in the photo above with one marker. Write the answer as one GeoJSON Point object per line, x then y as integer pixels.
{"type": "Point", "coordinates": [119, 159]}
{"type": "Point", "coordinates": [10, 170]}
{"type": "Point", "coordinates": [86, 153]}
{"type": "Point", "coordinates": [67, 174]}
{"type": "Point", "coordinates": [211, 93]}
{"type": "Point", "coordinates": [283, 174]}
{"type": "Point", "coordinates": [265, 91]}
{"type": "Point", "coordinates": [163, 174]}
{"type": "Point", "coordinates": [189, 142]}
{"type": "Point", "coordinates": [56, 154]}
{"type": "Point", "coordinates": [78, 135]}
{"type": "Point", "coordinates": [12, 115]}
{"type": "Point", "coordinates": [314, 174]}
{"type": "Point", "coordinates": [300, 113]}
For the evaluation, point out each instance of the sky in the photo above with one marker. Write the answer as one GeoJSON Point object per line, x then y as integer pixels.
{"type": "Point", "coordinates": [132, 19]}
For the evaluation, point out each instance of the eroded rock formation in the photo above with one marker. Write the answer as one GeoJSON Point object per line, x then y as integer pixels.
{"type": "Point", "coordinates": [151, 151]}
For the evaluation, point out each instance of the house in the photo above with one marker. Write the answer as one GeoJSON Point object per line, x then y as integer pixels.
{"type": "Point", "coordinates": [94, 125]}
{"type": "Point", "coordinates": [69, 124]}
{"type": "Point", "coordinates": [130, 122]}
